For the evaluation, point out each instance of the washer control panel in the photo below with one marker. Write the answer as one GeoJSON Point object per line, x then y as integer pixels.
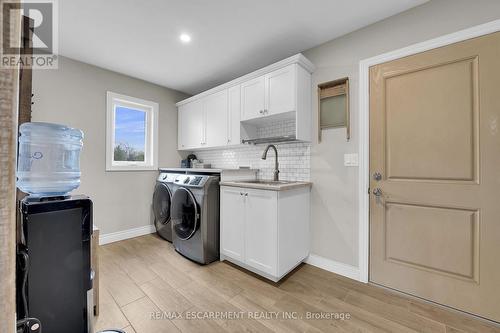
{"type": "Point", "coordinates": [191, 180]}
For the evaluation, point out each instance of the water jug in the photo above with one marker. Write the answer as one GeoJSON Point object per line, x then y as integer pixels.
{"type": "Point", "coordinates": [49, 159]}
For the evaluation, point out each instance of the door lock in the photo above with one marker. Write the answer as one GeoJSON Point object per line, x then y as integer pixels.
{"type": "Point", "coordinates": [377, 176]}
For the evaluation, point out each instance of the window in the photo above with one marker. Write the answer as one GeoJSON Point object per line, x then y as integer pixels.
{"type": "Point", "coordinates": [132, 133]}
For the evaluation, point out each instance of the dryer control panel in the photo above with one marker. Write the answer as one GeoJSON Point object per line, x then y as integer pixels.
{"type": "Point", "coordinates": [166, 177]}
{"type": "Point", "coordinates": [191, 180]}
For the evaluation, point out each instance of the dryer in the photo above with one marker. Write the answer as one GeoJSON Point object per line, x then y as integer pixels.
{"type": "Point", "coordinates": [195, 217]}
{"type": "Point", "coordinates": [162, 204]}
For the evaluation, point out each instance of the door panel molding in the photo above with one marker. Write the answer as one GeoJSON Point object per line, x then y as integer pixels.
{"type": "Point", "coordinates": [364, 123]}
{"type": "Point", "coordinates": [468, 232]}
{"type": "Point", "coordinates": [459, 162]}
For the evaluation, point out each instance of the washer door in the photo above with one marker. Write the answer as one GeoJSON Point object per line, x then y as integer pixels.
{"type": "Point", "coordinates": [185, 214]}
{"type": "Point", "coordinates": [162, 209]}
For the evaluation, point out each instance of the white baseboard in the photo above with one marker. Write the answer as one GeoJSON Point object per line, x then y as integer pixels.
{"type": "Point", "coordinates": [336, 267]}
{"type": "Point", "coordinates": [126, 234]}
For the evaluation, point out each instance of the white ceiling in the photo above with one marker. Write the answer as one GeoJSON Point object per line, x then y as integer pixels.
{"type": "Point", "coordinates": [229, 37]}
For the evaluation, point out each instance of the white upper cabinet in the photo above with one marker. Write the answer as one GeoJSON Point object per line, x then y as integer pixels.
{"type": "Point", "coordinates": [234, 115]}
{"type": "Point", "coordinates": [253, 98]}
{"type": "Point", "coordinates": [190, 125]}
{"type": "Point", "coordinates": [270, 94]}
{"type": "Point", "coordinates": [215, 109]}
{"type": "Point", "coordinates": [228, 113]}
{"type": "Point", "coordinates": [281, 90]}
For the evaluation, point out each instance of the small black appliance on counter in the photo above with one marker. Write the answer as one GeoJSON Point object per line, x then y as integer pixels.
{"type": "Point", "coordinates": [187, 163]}
{"type": "Point", "coordinates": [54, 277]}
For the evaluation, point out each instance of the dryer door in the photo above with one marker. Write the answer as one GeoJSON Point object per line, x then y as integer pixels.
{"type": "Point", "coordinates": [162, 209]}
{"type": "Point", "coordinates": [185, 214]}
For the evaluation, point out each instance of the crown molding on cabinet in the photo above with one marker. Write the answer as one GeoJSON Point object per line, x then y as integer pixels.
{"type": "Point", "coordinates": [295, 59]}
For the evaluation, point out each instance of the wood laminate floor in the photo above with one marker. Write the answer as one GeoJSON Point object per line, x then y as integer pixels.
{"type": "Point", "coordinates": [146, 287]}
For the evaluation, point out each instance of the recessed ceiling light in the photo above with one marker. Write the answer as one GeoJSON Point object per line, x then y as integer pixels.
{"type": "Point", "coordinates": [185, 38]}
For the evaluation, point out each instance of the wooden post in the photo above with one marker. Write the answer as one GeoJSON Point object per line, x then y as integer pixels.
{"type": "Point", "coordinates": [9, 88]}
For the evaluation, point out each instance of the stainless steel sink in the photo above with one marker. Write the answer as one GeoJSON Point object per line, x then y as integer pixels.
{"type": "Point", "coordinates": [267, 182]}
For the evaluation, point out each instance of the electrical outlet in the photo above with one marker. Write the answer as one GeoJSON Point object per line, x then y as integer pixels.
{"type": "Point", "coordinates": [351, 160]}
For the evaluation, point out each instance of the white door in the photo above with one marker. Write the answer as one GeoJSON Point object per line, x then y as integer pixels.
{"type": "Point", "coordinates": [253, 98]}
{"type": "Point", "coordinates": [234, 115]}
{"type": "Point", "coordinates": [191, 125]}
{"type": "Point", "coordinates": [280, 90]}
{"type": "Point", "coordinates": [261, 220]}
{"type": "Point", "coordinates": [232, 223]}
{"type": "Point", "coordinates": [215, 112]}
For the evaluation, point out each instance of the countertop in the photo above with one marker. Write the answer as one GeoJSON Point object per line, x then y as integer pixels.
{"type": "Point", "coordinates": [284, 186]}
{"type": "Point", "coordinates": [213, 170]}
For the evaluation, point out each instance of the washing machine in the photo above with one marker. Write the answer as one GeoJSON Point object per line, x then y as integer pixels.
{"type": "Point", "coordinates": [195, 217]}
{"type": "Point", "coordinates": [162, 204]}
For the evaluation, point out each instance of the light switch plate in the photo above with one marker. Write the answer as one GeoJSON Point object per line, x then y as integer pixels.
{"type": "Point", "coordinates": [351, 160]}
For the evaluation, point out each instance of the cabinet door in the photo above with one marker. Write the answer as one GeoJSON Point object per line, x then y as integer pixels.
{"type": "Point", "coordinates": [180, 143]}
{"type": "Point", "coordinates": [215, 109]}
{"type": "Point", "coordinates": [253, 98]}
{"type": "Point", "coordinates": [191, 125]}
{"type": "Point", "coordinates": [281, 90]}
{"type": "Point", "coordinates": [261, 240]}
{"type": "Point", "coordinates": [234, 115]}
{"type": "Point", "coordinates": [232, 223]}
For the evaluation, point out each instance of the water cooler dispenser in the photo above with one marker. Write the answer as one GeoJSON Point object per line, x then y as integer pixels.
{"type": "Point", "coordinates": [54, 276]}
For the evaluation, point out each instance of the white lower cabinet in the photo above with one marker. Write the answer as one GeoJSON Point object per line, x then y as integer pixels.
{"type": "Point", "coordinates": [232, 234]}
{"type": "Point", "coordinates": [261, 213]}
{"type": "Point", "coordinates": [265, 231]}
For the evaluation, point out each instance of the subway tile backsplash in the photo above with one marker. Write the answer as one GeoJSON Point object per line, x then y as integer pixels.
{"type": "Point", "coordinates": [276, 128]}
{"type": "Point", "coordinates": [293, 158]}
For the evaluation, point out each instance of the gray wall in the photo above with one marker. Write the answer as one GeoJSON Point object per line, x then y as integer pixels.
{"type": "Point", "coordinates": [75, 95]}
{"type": "Point", "coordinates": [334, 223]}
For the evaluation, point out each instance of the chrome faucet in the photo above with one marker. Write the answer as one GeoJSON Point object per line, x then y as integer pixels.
{"type": "Point", "coordinates": [264, 156]}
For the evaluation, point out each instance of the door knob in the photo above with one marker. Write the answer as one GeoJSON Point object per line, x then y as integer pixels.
{"type": "Point", "coordinates": [377, 192]}
{"type": "Point", "coordinates": [377, 176]}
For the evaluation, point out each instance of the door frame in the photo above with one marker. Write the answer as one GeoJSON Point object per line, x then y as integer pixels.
{"type": "Point", "coordinates": [364, 123]}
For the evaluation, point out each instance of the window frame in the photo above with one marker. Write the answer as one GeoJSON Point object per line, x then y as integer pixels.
{"type": "Point", "coordinates": [151, 132]}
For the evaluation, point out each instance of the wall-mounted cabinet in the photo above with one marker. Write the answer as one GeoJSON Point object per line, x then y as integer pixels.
{"type": "Point", "coordinates": [190, 126]}
{"type": "Point", "coordinates": [273, 93]}
{"type": "Point", "coordinates": [215, 109]}
{"type": "Point", "coordinates": [211, 121]}
{"type": "Point", "coordinates": [253, 98]}
{"type": "Point", "coordinates": [234, 115]}
{"type": "Point", "coordinates": [233, 112]}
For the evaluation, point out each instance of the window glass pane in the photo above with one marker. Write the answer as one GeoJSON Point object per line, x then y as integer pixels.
{"type": "Point", "coordinates": [333, 111]}
{"type": "Point", "coordinates": [130, 134]}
